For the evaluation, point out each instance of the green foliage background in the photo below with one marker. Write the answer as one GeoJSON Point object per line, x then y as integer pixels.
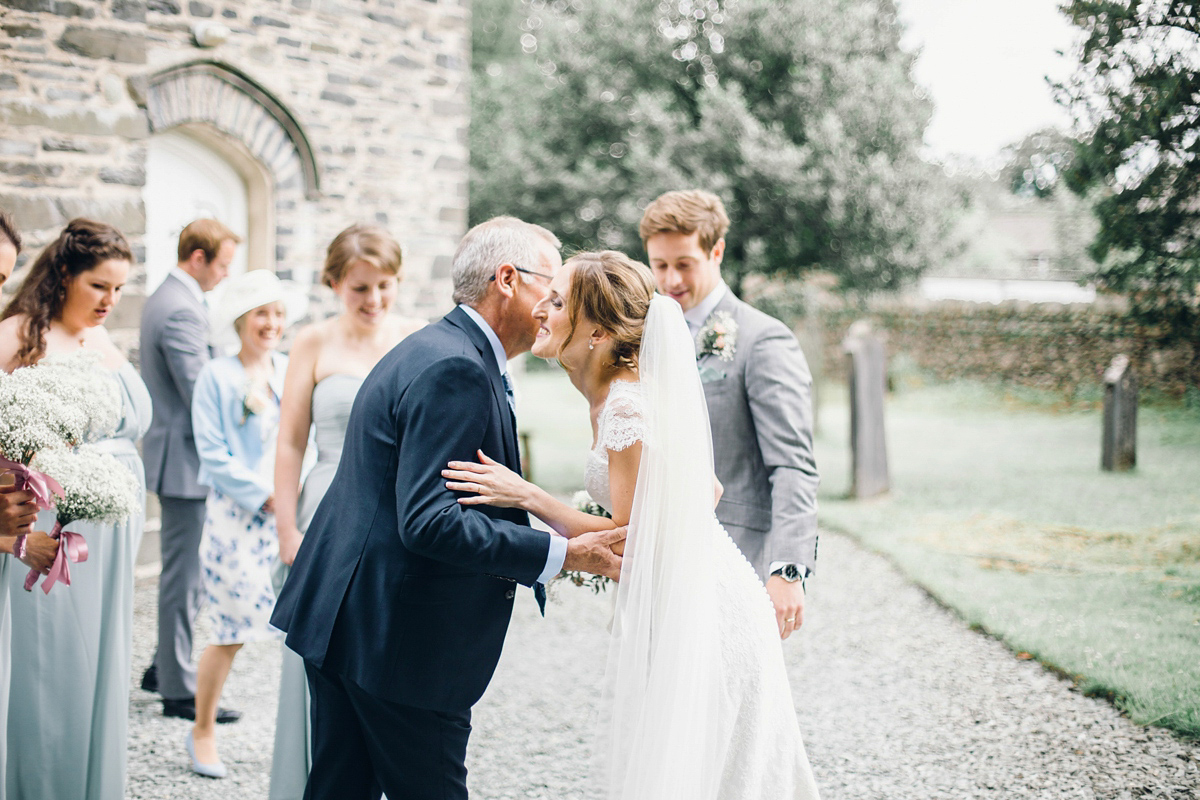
{"type": "Point", "coordinates": [803, 116]}
{"type": "Point", "coordinates": [1138, 93]}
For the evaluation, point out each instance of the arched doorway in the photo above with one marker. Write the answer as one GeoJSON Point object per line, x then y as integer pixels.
{"type": "Point", "coordinates": [222, 144]}
{"type": "Point", "coordinates": [187, 180]}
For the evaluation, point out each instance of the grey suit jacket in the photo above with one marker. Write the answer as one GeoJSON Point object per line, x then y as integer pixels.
{"type": "Point", "coordinates": [174, 348]}
{"type": "Point", "coordinates": [760, 410]}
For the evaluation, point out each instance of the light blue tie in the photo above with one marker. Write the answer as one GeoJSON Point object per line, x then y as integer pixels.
{"type": "Point", "coordinates": [508, 392]}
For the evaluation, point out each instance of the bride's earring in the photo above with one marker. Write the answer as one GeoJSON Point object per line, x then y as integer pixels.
{"type": "Point", "coordinates": [591, 345]}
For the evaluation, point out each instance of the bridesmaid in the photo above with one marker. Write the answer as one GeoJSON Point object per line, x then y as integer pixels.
{"type": "Point", "coordinates": [328, 363]}
{"type": "Point", "coordinates": [235, 418]}
{"type": "Point", "coordinates": [82, 633]}
{"type": "Point", "coordinates": [17, 513]}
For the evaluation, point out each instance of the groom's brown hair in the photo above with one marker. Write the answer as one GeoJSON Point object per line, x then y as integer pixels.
{"type": "Point", "coordinates": [687, 212]}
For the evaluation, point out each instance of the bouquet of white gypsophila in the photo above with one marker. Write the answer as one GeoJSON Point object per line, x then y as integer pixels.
{"type": "Point", "coordinates": [46, 410]}
{"type": "Point", "coordinates": [62, 401]}
{"type": "Point", "coordinates": [96, 487]}
{"type": "Point", "coordinates": [582, 501]}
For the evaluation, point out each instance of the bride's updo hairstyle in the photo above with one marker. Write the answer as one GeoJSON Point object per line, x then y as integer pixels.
{"type": "Point", "coordinates": [613, 291]}
{"type": "Point", "coordinates": [81, 246]}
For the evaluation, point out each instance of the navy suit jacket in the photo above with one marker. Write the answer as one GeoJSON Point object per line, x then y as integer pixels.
{"type": "Point", "coordinates": [397, 587]}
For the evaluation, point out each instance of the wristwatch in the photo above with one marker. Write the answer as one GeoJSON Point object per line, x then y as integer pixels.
{"type": "Point", "coordinates": [792, 573]}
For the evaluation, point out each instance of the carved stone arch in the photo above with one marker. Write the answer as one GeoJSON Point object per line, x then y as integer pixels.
{"type": "Point", "coordinates": [227, 99]}
{"type": "Point", "coordinates": [230, 113]}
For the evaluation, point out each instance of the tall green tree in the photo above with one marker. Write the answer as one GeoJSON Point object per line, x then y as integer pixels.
{"type": "Point", "coordinates": [1138, 91]}
{"type": "Point", "coordinates": [802, 115]}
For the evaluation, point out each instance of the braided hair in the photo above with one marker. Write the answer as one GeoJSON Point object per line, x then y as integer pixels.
{"type": "Point", "coordinates": [82, 245]}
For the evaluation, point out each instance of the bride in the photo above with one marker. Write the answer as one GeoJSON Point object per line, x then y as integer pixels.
{"type": "Point", "coordinates": [696, 699]}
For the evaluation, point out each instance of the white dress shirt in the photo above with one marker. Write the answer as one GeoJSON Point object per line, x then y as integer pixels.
{"type": "Point", "coordinates": [558, 544]}
{"type": "Point", "coordinates": [699, 313]}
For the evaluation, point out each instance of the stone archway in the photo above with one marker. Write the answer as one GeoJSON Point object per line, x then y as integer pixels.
{"type": "Point", "coordinates": [230, 113]}
{"type": "Point", "coordinates": [233, 103]}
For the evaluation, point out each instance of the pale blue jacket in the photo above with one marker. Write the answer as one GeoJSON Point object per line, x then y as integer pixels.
{"type": "Point", "coordinates": [231, 450]}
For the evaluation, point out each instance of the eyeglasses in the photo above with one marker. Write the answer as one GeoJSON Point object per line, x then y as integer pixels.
{"type": "Point", "coordinates": [528, 272]}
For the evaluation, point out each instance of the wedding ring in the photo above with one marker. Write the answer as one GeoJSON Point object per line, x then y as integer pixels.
{"type": "Point", "coordinates": [790, 619]}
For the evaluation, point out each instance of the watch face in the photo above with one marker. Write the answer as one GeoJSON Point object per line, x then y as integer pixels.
{"type": "Point", "coordinates": [791, 573]}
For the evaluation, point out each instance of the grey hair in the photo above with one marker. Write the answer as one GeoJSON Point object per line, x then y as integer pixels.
{"type": "Point", "coordinates": [499, 240]}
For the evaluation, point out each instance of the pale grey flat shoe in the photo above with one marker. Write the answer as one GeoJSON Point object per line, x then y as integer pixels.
{"type": "Point", "coordinates": [216, 770]}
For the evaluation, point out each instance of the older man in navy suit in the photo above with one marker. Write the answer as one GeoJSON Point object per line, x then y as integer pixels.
{"type": "Point", "coordinates": [400, 598]}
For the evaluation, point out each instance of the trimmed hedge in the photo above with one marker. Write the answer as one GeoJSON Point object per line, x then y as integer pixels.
{"type": "Point", "coordinates": [1064, 348]}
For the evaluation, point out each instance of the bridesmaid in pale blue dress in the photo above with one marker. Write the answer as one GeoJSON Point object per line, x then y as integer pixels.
{"type": "Point", "coordinates": [69, 697]}
{"type": "Point", "coordinates": [328, 363]}
{"type": "Point", "coordinates": [10, 248]}
{"type": "Point", "coordinates": [15, 520]}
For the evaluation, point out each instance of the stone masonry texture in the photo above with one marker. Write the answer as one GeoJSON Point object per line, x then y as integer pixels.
{"type": "Point", "coordinates": [378, 88]}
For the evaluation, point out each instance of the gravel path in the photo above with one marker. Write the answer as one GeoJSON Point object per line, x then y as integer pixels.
{"type": "Point", "coordinates": [898, 700]}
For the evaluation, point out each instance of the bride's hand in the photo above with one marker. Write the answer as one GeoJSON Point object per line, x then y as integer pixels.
{"type": "Point", "coordinates": [489, 482]}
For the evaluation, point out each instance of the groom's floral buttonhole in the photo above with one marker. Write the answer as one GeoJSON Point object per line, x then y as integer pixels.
{"type": "Point", "coordinates": [582, 501]}
{"type": "Point", "coordinates": [718, 337]}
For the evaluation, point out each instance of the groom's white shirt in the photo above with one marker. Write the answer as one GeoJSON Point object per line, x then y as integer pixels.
{"type": "Point", "coordinates": [558, 544]}
{"type": "Point", "coordinates": [699, 313]}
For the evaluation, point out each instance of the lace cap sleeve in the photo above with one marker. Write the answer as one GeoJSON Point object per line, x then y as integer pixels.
{"type": "Point", "coordinates": [624, 417]}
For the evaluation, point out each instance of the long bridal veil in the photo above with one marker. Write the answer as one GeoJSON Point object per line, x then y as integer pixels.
{"type": "Point", "coordinates": [664, 709]}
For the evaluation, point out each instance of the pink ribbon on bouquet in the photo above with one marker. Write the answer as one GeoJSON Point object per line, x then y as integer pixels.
{"type": "Point", "coordinates": [43, 487]}
{"type": "Point", "coordinates": [72, 547]}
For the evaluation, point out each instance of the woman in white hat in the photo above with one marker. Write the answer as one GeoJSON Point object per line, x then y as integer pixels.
{"type": "Point", "coordinates": [235, 418]}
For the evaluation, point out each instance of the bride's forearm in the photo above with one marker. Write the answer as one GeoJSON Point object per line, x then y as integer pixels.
{"type": "Point", "coordinates": [562, 518]}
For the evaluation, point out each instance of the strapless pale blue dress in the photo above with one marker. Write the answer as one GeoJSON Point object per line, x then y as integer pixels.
{"type": "Point", "coordinates": [332, 400]}
{"type": "Point", "coordinates": [69, 699]}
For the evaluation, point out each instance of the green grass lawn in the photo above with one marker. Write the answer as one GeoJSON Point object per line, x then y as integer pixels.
{"type": "Point", "coordinates": [555, 417]}
{"type": "Point", "coordinates": [999, 508]}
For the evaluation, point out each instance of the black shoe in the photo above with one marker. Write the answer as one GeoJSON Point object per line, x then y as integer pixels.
{"type": "Point", "coordinates": [150, 678]}
{"type": "Point", "coordinates": [186, 709]}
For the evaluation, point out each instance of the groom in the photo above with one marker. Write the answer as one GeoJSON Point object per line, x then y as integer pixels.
{"type": "Point", "coordinates": [759, 394]}
{"type": "Point", "coordinates": [399, 598]}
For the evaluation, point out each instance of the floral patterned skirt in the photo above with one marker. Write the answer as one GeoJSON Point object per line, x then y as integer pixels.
{"type": "Point", "coordinates": [237, 551]}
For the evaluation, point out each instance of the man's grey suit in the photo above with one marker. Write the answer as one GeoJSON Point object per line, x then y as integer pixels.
{"type": "Point", "coordinates": [760, 410]}
{"type": "Point", "coordinates": [174, 348]}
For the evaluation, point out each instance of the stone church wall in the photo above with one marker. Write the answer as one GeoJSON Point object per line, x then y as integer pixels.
{"type": "Point", "coordinates": [376, 92]}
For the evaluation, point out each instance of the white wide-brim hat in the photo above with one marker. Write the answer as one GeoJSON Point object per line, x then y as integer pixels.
{"type": "Point", "coordinates": [246, 292]}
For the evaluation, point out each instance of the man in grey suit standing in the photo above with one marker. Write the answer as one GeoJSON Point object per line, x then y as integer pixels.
{"type": "Point", "coordinates": [759, 393]}
{"type": "Point", "coordinates": [174, 348]}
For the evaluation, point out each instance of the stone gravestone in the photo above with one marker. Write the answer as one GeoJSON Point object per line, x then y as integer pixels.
{"type": "Point", "coordinates": [1119, 449]}
{"type": "Point", "coordinates": [867, 369]}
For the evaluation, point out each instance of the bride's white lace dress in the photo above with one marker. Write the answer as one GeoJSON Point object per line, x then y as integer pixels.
{"type": "Point", "coordinates": [724, 726]}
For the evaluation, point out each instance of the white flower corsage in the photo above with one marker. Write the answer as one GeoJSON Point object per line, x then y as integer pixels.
{"type": "Point", "coordinates": [718, 337]}
{"type": "Point", "coordinates": [255, 400]}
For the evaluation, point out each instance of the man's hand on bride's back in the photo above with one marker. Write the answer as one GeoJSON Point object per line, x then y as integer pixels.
{"type": "Point", "coordinates": [487, 483]}
{"type": "Point", "coordinates": [593, 552]}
